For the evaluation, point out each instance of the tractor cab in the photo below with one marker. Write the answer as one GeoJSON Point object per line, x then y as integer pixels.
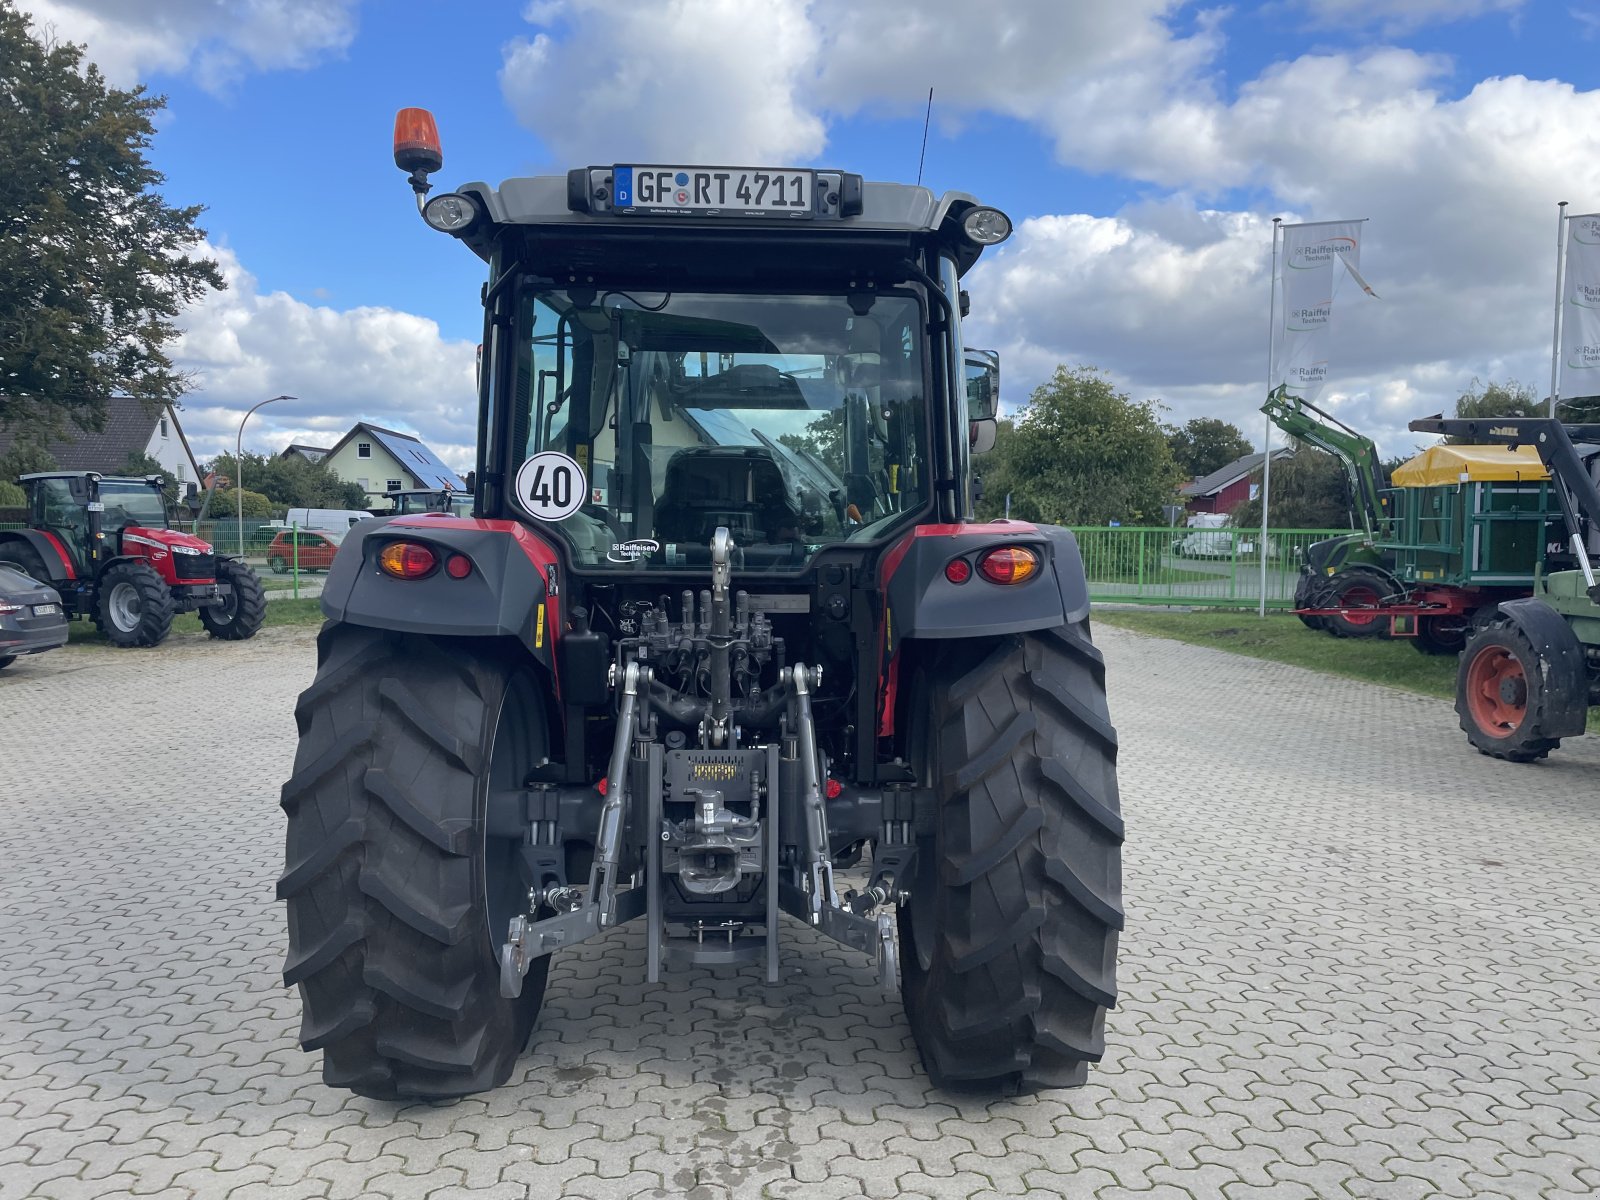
{"type": "Point", "coordinates": [412, 501]}
{"type": "Point", "coordinates": [669, 350]}
{"type": "Point", "coordinates": [90, 515]}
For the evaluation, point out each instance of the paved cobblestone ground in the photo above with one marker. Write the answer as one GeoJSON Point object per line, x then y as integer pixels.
{"type": "Point", "coordinates": [1361, 961]}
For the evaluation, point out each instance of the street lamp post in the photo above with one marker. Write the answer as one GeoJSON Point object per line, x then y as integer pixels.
{"type": "Point", "coordinates": [238, 465]}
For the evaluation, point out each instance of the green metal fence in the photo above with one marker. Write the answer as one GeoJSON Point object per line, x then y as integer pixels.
{"type": "Point", "coordinates": [257, 536]}
{"type": "Point", "coordinates": [1218, 568]}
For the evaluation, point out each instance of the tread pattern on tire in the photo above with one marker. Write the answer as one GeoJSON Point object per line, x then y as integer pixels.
{"type": "Point", "coordinates": [1029, 888]}
{"type": "Point", "coordinates": [155, 604]}
{"type": "Point", "coordinates": [1528, 745]}
{"type": "Point", "coordinates": [1308, 594]}
{"type": "Point", "coordinates": [387, 935]}
{"type": "Point", "coordinates": [250, 597]}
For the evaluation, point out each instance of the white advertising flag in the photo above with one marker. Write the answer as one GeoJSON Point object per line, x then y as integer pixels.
{"type": "Point", "coordinates": [1314, 258]}
{"type": "Point", "coordinates": [1580, 315]}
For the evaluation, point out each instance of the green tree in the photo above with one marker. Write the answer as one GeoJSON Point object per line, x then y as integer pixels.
{"type": "Point", "coordinates": [225, 505]}
{"type": "Point", "coordinates": [23, 457]}
{"type": "Point", "coordinates": [140, 463]}
{"type": "Point", "coordinates": [997, 469]}
{"type": "Point", "coordinates": [94, 264]}
{"type": "Point", "coordinates": [292, 482]}
{"type": "Point", "coordinates": [1206, 444]}
{"type": "Point", "coordinates": [1579, 410]}
{"type": "Point", "coordinates": [1509, 399]}
{"type": "Point", "coordinates": [1082, 453]}
{"type": "Point", "coordinates": [1309, 491]}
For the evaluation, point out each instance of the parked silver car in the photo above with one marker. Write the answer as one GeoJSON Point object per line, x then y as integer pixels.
{"type": "Point", "coordinates": [31, 620]}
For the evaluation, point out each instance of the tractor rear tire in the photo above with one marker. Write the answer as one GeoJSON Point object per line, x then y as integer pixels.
{"type": "Point", "coordinates": [398, 896]}
{"type": "Point", "coordinates": [1010, 931]}
{"type": "Point", "coordinates": [134, 607]}
{"type": "Point", "coordinates": [1501, 696]}
{"type": "Point", "coordinates": [1356, 587]}
{"type": "Point", "coordinates": [246, 609]}
{"type": "Point", "coordinates": [1441, 635]}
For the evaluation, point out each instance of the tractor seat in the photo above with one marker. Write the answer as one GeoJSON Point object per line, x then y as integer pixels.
{"type": "Point", "coordinates": [739, 487]}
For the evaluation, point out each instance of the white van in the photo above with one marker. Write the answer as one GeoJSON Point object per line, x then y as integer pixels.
{"type": "Point", "coordinates": [337, 519]}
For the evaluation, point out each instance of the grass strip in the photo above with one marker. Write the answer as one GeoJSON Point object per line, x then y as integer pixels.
{"type": "Point", "coordinates": [279, 612]}
{"type": "Point", "coordinates": [1282, 638]}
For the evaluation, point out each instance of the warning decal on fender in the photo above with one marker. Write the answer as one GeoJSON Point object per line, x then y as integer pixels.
{"type": "Point", "coordinates": [551, 486]}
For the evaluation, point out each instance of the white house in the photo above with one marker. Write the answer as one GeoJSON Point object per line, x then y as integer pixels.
{"type": "Point", "coordinates": [380, 461]}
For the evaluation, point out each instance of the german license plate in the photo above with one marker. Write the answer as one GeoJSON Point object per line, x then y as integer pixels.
{"type": "Point", "coordinates": [46, 610]}
{"type": "Point", "coordinates": [714, 191]}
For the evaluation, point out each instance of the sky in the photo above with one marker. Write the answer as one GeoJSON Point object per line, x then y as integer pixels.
{"type": "Point", "coordinates": [1142, 147]}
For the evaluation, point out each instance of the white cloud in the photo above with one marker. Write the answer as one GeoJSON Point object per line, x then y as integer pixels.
{"type": "Point", "coordinates": [244, 345]}
{"type": "Point", "coordinates": [1460, 193]}
{"type": "Point", "coordinates": [726, 80]}
{"type": "Point", "coordinates": [132, 39]}
{"type": "Point", "coordinates": [692, 81]}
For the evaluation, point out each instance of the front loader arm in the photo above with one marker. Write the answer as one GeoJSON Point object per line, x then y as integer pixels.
{"type": "Point", "coordinates": [1357, 453]}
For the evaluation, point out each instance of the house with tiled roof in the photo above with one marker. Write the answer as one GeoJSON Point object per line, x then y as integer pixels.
{"type": "Point", "coordinates": [312, 454]}
{"type": "Point", "coordinates": [380, 461]}
{"type": "Point", "coordinates": [130, 428]}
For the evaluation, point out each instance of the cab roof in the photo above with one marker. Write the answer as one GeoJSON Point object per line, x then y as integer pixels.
{"type": "Point", "coordinates": [893, 216]}
{"type": "Point", "coordinates": [96, 475]}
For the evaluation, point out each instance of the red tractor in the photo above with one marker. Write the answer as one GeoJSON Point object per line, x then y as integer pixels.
{"type": "Point", "coordinates": [721, 625]}
{"type": "Point", "coordinates": [103, 542]}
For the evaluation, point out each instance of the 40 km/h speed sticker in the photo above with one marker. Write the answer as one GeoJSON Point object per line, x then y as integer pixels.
{"type": "Point", "coordinates": [551, 486]}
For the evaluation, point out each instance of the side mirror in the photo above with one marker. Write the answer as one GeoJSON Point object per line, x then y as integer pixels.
{"type": "Point", "coordinates": [983, 385]}
{"type": "Point", "coordinates": [983, 399]}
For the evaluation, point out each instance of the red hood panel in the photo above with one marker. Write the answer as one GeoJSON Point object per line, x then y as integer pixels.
{"type": "Point", "coordinates": [168, 537]}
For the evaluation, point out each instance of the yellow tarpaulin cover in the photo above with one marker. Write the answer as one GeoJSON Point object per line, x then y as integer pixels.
{"type": "Point", "coordinates": [1440, 465]}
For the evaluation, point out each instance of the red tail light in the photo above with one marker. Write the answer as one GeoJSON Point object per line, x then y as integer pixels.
{"type": "Point", "coordinates": [1008, 564]}
{"type": "Point", "coordinates": [958, 570]}
{"type": "Point", "coordinates": [407, 560]}
{"type": "Point", "coordinates": [458, 566]}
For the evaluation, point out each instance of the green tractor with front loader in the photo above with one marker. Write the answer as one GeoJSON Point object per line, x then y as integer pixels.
{"type": "Point", "coordinates": [721, 628]}
{"type": "Point", "coordinates": [1455, 531]}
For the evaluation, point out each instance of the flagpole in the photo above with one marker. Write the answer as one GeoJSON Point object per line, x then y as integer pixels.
{"type": "Point", "coordinates": [1561, 286]}
{"type": "Point", "coordinates": [1266, 441]}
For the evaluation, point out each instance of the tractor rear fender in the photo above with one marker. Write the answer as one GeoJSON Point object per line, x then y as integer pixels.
{"type": "Point", "coordinates": [1566, 672]}
{"type": "Point", "coordinates": [925, 603]}
{"type": "Point", "coordinates": [508, 592]}
{"type": "Point", "coordinates": [57, 566]}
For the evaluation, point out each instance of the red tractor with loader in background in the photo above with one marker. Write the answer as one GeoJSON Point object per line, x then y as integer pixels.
{"type": "Point", "coordinates": [720, 626]}
{"type": "Point", "coordinates": [104, 543]}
